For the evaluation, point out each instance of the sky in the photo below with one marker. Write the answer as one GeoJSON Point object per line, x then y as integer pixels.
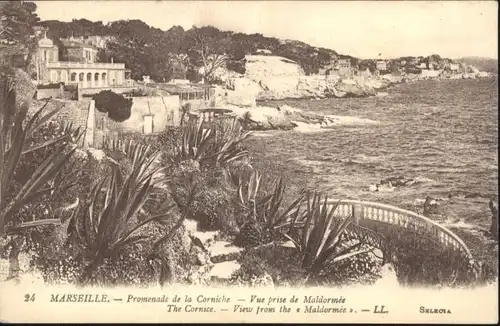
{"type": "Point", "coordinates": [365, 29]}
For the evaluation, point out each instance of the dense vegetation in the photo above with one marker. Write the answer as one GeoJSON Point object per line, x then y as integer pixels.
{"type": "Point", "coordinates": [150, 51]}
{"type": "Point", "coordinates": [116, 105]}
{"type": "Point", "coordinates": [16, 29]}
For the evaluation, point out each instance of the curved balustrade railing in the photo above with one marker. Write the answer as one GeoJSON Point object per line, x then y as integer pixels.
{"type": "Point", "coordinates": [362, 210]}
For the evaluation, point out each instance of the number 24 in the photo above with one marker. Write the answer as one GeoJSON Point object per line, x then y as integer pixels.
{"type": "Point", "coordinates": [28, 297]}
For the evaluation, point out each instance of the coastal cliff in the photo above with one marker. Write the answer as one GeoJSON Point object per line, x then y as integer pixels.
{"type": "Point", "coordinates": [276, 78]}
{"type": "Point", "coordinates": [269, 78]}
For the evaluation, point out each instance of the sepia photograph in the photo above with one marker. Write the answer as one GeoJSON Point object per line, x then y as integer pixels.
{"type": "Point", "coordinates": [246, 148]}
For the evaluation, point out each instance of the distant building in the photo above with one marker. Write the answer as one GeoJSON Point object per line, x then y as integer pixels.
{"type": "Point", "coordinates": [95, 41]}
{"type": "Point", "coordinates": [414, 62]}
{"type": "Point", "coordinates": [76, 51]}
{"type": "Point", "coordinates": [413, 70]}
{"type": "Point", "coordinates": [263, 51]}
{"type": "Point", "coordinates": [80, 66]}
{"type": "Point", "coordinates": [454, 66]}
{"type": "Point", "coordinates": [382, 65]}
{"type": "Point", "coordinates": [344, 66]}
{"type": "Point", "coordinates": [196, 95]}
{"type": "Point", "coordinates": [180, 81]}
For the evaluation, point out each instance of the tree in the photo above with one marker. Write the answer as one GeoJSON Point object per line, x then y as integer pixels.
{"type": "Point", "coordinates": [210, 50]}
{"type": "Point", "coordinates": [117, 106]}
{"type": "Point", "coordinates": [17, 19]}
{"type": "Point", "coordinates": [148, 51]}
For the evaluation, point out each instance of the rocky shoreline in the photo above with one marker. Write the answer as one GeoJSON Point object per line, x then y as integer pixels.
{"type": "Point", "coordinates": [245, 90]}
{"type": "Point", "coordinates": [358, 86]}
{"type": "Point", "coordinates": [247, 98]}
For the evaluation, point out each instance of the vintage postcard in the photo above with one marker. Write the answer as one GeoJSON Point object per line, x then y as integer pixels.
{"type": "Point", "coordinates": [249, 161]}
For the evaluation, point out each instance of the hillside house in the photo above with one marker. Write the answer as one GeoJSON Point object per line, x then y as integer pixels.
{"type": "Point", "coordinates": [327, 68]}
{"type": "Point", "coordinates": [454, 66]}
{"type": "Point", "coordinates": [80, 68]}
{"type": "Point", "coordinates": [197, 95]}
{"type": "Point", "coordinates": [96, 41]}
{"type": "Point", "coordinates": [413, 70]}
{"type": "Point", "coordinates": [77, 51]}
{"type": "Point", "coordinates": [345, 67]}
{"type": "Point", "coordinates": [263, 51]}
{"type": "Point", "coordinates": [381, 65]}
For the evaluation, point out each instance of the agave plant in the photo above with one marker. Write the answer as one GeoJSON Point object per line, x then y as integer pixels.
{"type": "Point", "coordinates": [248, 194]}
{"type": "Point", "coordinates": [110, 218]}
{"type": "Point", "coordinates": [14, 135]}
{"type": "Point", "coordinates": [274, 214]}
{"type": "Point", "coordinates": [210, 146]}
{"type": "Point", "coordinates": [268, 209]}
{"type": "Point", "coordinates": [318, 235]}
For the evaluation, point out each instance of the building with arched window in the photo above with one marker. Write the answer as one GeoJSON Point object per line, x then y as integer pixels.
{"type": "Point", "coordinates": [80, 66]}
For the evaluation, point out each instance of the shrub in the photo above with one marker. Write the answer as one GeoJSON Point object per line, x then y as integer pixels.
{"type": "Point", "coordinates": [117, 106]}
{"type": "Point", "coordinates": [15, 134]}
{"type": "Point", "coordinates": [281, 263]}
{"type": "Point", "coordinates": [363, 268]}
{"type": "Point", "coordinates": [203, 154]}
{"type": "Point", "coordinates": [217, 144]}
{"type": "Point", "coordinates": [112, 218]}
{"type": "Point", "coordinates": [32, 170]}
{"type": "Point", "coordinates": [419, 260]}
{"type": "Point", "coordinates": [213, 205]}
{"type": "Point", "coordinates": [268, 210]}
{"type": "Point", "coordinates": [321, 237]}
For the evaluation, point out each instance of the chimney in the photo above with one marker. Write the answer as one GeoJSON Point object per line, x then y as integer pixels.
{"type": "Point", "coordinates": [111, 59]}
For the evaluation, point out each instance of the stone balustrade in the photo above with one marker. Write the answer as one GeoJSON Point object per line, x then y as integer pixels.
{"type": "Point", "coordinates": [84, 65]}
{"type": "Point", "coordinates": [405, 219]}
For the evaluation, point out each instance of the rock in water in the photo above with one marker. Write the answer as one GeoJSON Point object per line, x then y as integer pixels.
{"type": "Point", "coordinates": [398, 181]}
{"type": "Point", "coordinates": [386, 187]}
{"type": "Point", "coordinates": [430, 206]}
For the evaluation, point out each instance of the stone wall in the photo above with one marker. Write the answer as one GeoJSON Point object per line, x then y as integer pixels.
{"type": "Point", "coordinates": [49, 93]}
{"type": "Point", "coordinates": [95, 90]}
{"type": "Point", "coordinates": [88, 140]}
{"type": "Point", "coordinates": [164, 109]}
{"type": "Point", "coordinates": [76, 113]}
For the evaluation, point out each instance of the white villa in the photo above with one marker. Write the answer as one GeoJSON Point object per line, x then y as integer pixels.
{"type": "Point", "coordinates": [80, 68]}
